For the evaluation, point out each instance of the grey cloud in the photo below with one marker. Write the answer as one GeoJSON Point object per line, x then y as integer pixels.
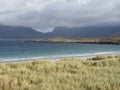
{"type": "Point", "coordinates": [46, 14]}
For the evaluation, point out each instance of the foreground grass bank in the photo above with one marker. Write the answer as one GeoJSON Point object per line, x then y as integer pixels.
{"type": "Point", "coordinates": [68, 74]}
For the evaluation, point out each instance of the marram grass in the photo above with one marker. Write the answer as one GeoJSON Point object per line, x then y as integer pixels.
{"type": "Point", "coordinates": [68, 74]}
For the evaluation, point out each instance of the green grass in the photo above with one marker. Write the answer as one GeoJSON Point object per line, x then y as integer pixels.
{"type": "Point", "coordinates": [100, 57]}
{"type": "Point", "coordinates": [67, 74]}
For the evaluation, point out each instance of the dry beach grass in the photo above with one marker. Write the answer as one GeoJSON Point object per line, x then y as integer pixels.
{"type": "Point", "coordinates": [67, 74]}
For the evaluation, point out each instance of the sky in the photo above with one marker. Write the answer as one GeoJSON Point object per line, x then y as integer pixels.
{"type": "Point", "coordinates": [45, 15]}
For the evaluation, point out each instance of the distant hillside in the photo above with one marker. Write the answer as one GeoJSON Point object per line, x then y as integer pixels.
{"type": "Point", "coordinates": [86, 32]}
{"type": "Point", "coordinates": [9, 32]}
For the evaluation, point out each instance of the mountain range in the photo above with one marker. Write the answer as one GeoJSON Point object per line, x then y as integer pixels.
{"type": "Point", "coordinates": [11, 32]}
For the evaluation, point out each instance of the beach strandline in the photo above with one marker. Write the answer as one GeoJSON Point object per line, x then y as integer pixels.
{"type": "Point", "coordinates": [60, 57]}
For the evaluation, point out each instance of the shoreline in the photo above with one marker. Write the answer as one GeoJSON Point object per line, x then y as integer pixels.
{"type": "Point", "coordinates": [61, 57]}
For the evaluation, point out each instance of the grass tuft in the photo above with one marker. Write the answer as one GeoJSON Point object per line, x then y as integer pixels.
{"type": "Point", "coordinates": [100, 57]}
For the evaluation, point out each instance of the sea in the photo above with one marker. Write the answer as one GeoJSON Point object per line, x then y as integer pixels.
{"type": "Point", "coordinates": [23, 51]}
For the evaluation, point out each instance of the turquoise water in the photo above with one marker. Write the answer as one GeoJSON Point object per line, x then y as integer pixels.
{"type": "Point", "coordinates": [18, 50]}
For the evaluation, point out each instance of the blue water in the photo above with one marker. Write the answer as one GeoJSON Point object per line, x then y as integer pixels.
{"type": "Point", "coordinates": [18, 50]}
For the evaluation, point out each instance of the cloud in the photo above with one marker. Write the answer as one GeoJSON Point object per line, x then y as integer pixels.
{"type": "Point", "coordinates": [44, 15]}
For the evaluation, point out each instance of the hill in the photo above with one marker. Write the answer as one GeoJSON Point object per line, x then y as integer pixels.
{"type": "Point", "coordinates": [10, 32]}
{"type": "Point", "coordinates": [87, 32]}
